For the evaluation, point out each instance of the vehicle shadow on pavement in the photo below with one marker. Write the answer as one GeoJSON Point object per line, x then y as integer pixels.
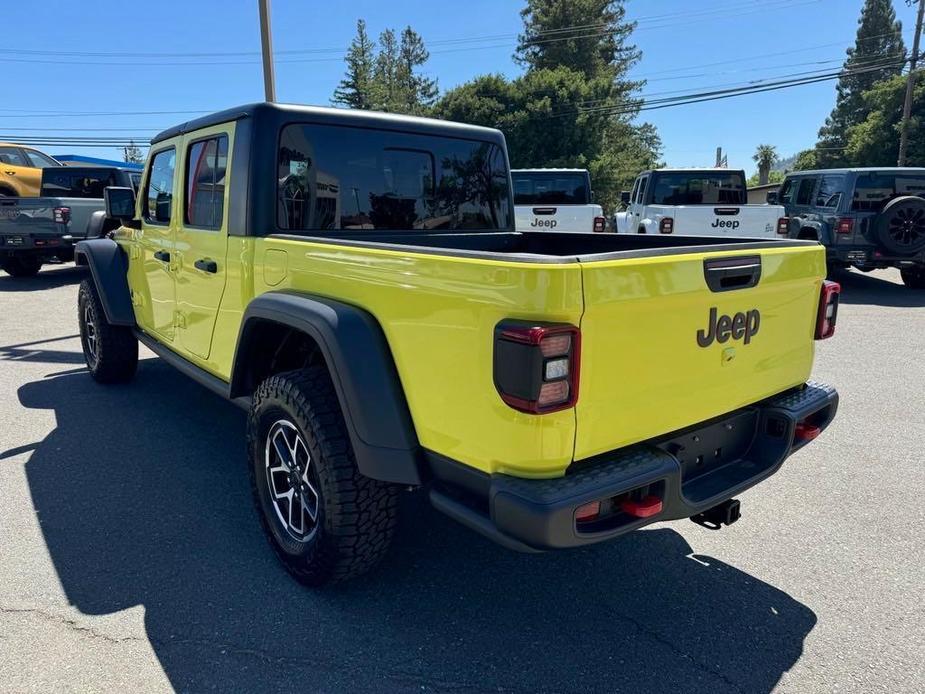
{"type": "Point", "coordinates": [860, 288]}
{"type": "Point", "coordinates": [49, 277]}
{"type": "Point", "coordinates": [147, 503]}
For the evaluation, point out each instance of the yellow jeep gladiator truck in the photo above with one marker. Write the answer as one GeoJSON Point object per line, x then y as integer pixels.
{"type": "Point", "coordinates": [355, 281]}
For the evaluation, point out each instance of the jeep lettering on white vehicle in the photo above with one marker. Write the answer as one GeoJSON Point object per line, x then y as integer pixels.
{"type": "Point", "coordinates": [545, 223]}
{"type": "Point", "coordinates": [724, 224]}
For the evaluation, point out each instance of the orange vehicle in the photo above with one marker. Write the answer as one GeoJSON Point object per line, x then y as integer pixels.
{"type": "Point", "coordinates": [21, 170]}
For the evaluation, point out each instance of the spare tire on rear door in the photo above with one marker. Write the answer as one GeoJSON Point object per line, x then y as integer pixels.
{"type": "Point", "coordinates": [900, 228]}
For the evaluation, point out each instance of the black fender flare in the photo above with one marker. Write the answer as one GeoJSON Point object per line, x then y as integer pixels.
{"type": "Point", "coordinates": [821, 230]}
{"type": "Point", "coordinates": [360, 361]}
{"type": "Point", "coordinates": [109, 269]}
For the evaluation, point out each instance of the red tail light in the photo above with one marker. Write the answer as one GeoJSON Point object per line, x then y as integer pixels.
{"type": "Point", "coordinates": [600, 224]}
{"type": "Point", "coordinates": [828, 310]}
{"type": "Point", "coordinates": [845, 225]}
{"type": "Point", "coordinates": [62, 215]}
{"type": "Point", "coordinates": [783, 226]}
{"type": "Point", "coordinates": [666, 226]}
{"type": "Point", "coordinates": [536, 366]}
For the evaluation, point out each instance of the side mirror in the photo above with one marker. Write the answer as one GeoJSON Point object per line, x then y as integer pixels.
{"type": "Point", "coordinates": [119, 202]}
{"type": "Point", "coordinates": [772, 197]}
{"type": "Point", "coordinates": [625, 197]}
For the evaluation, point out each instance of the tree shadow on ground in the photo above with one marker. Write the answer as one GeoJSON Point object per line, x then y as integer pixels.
{"type": "Point", "coordinates": [148, 503]}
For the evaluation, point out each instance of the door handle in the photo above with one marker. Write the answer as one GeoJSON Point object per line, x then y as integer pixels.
{"type": "Point", "coordinates": [10, 173]}
{"type": "Point", "coordinates": [163, 256]}
{"type": "Point", "coordinates": [206, 265]}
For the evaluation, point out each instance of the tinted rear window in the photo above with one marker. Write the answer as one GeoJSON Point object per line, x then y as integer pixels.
{"type": "Point", "coordinates": [551, 189]}
{"type": "Point", "coordinates": [698, 188]}
{"type": "Point", "coordinates": [874, 190]}
{"type": "Point", "coordinates": [334, 177]}
{"type": "Point", "coordinates": [83, 183]}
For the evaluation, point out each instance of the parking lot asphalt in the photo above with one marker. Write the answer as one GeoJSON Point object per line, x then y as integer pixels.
{"type": "Point", "coordinates": [131, 557]}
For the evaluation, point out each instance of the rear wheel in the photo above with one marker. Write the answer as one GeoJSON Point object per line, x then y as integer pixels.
{"type": "Point", "coordinates": [325, 521]}
{"type": "Point", "coordinates": [111, 351]}
{"type": "Point", "coordinates": [22, 266]}
{"type": "Point", "coordinates": [914, 277]}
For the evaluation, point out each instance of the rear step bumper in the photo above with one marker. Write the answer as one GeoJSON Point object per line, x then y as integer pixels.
{"type": "Point", "coordinates": [678, 476]}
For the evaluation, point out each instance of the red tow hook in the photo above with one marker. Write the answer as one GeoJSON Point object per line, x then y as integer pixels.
{"type": "Point", "coordinates": [642, 509]}
{"type": "Point", "coordinates": [806, 431]}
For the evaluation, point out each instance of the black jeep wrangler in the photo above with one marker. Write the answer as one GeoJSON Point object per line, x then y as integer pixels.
{"type": "Point", "coordinates": [866, 218]}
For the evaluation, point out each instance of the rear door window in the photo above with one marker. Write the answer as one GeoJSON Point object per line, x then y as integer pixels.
{"type": "Point", "coordinates": [158, 202]}
{"type": "Point", "coordinates": [551, 189]}
{"type": "Point", "coordinates": [872, 191]}
{"type": "Point", "coordinates": [336, 177]}
{"type": "Point", "coordinates": [805, 191]}
{"type": "Point", "coordinates": [830, 191]}
{"type": "Point", "coordinates": [13, 156]}
{"type": "Point", "coordinates": [206, 163]}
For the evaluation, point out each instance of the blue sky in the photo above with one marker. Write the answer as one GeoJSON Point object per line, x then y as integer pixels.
{"type": "Point", "coordinates": [50, 74]}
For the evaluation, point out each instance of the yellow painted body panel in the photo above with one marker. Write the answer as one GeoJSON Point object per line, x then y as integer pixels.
{"type": "Point", "coordinates": [643, 373]}
{"type": "Point", "coordinates": [439, 314]}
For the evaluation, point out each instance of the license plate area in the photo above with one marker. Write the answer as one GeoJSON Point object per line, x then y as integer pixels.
{"type": "Point", "coordinates": [705, 449]}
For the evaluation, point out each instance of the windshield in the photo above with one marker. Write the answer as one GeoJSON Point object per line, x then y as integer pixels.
{"type": "Point", "coordinates": [334, 177]}
{"type": "Point", "coordinates": [699, 188]}
{"type": "Point", "coordinates": [551, 188]}
{"type": "Point", "coordinates": [874, 190]}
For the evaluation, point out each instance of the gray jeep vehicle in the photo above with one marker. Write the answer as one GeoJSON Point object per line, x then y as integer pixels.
{"type": "Point", "coordinates": [867, 218]}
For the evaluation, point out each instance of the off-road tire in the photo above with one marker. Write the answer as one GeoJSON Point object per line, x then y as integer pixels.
{"type": "Point", "coordinates": [355, 515]}
{"type": "Point", "coordinates": [900, 227]}
{"type": "Point", "coordinates": [24, 266]}
{"type": "Point", "coordinates": [110, 351]}
{"type": "Point", "coordinates": [914, 278]}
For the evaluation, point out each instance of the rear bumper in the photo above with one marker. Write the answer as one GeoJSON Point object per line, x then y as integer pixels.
{"type": "Point", "coordinates": [688, 471]}
{"type": "Point", "coordinates": [32, 243]}
{"type": "Point", "coordinates": [871, 256]}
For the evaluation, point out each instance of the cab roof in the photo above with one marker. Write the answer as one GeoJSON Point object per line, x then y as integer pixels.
{"type": "Point", "coordinates": [287, 113]}
{"type": "Point", "coordinates": [859, 169]}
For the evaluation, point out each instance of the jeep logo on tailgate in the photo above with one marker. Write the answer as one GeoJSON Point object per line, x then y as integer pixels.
{"type": "Point", "coordinates": [724, 224]}
{"type": "Point", "coordinates": [739, 326]}
{"type": "Point", "coordinates": [548, 223]}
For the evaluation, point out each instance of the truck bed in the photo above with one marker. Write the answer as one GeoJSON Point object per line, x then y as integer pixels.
{"type": "Point", "coordinates": [546, 247]}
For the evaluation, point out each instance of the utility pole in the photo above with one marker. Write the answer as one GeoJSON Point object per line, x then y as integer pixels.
{"type": "Point", "coordinates": [910, 85]}
{"type": "Point", "coordinates": [266, 43]}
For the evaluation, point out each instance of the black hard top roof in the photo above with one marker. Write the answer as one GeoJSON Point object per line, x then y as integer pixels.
{"type": "Point", "coordinates": [332, 116]}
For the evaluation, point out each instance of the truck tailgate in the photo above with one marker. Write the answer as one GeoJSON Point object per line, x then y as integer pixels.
{"type": "Point", "coordinates": [652, 359]}
{"type": "Point", "coordinates": [727, 220]}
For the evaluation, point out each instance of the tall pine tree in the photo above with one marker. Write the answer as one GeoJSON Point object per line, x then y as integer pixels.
{"type": "Point", "coordinates": [878, 54]}
{"type": "Point", "coordinates": [358, 88]}
{"type": "Point", "coordinates": [574, 106]}
{"type": "Point", "coordinates": [416, 92]}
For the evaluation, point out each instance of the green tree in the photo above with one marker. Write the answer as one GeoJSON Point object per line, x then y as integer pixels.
{"type": "Point", "coordinates": [806, 161]}
{"type": "Point", "coordinates": [385, 73]}
{"type": "Point", "coordinates": [765, 156]}
{"type": "Point", "coordinates": [574, 106]}
{"type": "Point", "coordinates": [878, 54]}
{"type": "Point", "coordinates": [358, 88]}
{"type": "Point", "coordinates": [773, 177]}
{"type": "Point", "coordinates": [132, 153]}
{"type": "Point", "coordinates": [875, 140]}
{"type": "Point", "coordinates": [588, 36]}
{"type": "Point", "coordinates": [416, 92]}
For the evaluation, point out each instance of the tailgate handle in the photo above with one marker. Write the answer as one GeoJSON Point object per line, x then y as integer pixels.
{"type": "Point", "coordinates": [725, 211]}
{"type": "Point", "coordinates": [728, 274]}
{"type": "Point", "coordinates": [544, 210]}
